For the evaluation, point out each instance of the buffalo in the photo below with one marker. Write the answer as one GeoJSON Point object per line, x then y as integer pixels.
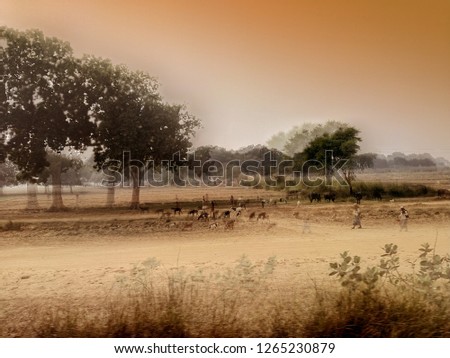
{"type": "Point", "coordinates": [329, 197]}
{"type": "Point", "coordinates": [314, 196]}
{"type": "Point", "coordinates": [358, 196]}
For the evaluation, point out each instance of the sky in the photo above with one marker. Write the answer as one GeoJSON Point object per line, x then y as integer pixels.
{"type": "Point", "coordinates": [251, 68]}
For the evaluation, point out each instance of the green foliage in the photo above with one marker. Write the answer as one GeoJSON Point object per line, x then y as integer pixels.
{"type": "Point", "coordinates": [330, 150]}
{"type": "Point", "coordinates": [44, 102]}
{"type": "Point", "coordinates": [131, 117]}
{"type": "Point", "coordinates": [382, 301]}
{"type": "Point", "coordinates": [51, 100]}
{"type": "Point", "coordinates": [392, 190]}
{"type": "Point", "coordinates": [433, 268]}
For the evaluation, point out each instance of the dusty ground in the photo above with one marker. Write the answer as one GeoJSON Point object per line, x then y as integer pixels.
{"type": "Point", "coordinates": [83, 253]}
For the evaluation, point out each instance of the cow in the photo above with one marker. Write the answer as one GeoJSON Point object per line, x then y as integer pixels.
{"type": "Point", "coordinates": [226, 214]}
{"type": "Point", "coordinates": [203, 216]}
{"type": "Point", "coordinates": [442, 193]}
{"type": "Point", "coordinates": [314, 196]}
{"type": "Point", "coordinates": [213, 226]}
{"type": "Point", "coordinates": [176, 210]}
{"type": "Point", "coordinates": [263, 216]}
{"type": "Point", "coordinates": [329, 197]}
{"type": "Point", "coordinates": [193, 212]}
{"type": "Point", "coordinates": [358, 196]}
{"type": "Point", "coordinates": [252, 215]}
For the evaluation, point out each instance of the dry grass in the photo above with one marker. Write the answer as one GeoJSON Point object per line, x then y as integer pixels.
{"type": "Point", "coordinates": [239, 302]}
{"type": "Point", "coordinates": [244, 301]}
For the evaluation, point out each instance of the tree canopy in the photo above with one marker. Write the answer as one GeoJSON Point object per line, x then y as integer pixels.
{"type": "Point", "coordinates": [44, 104]}
{"type": "Point", "coordinates": [295, 140]}
{"type": "Point", "coordinates": [334, 152]}
{"type": "Point", "coordinates": [51, 100]}
{"type": "Point", "coordinates": [134, 125]}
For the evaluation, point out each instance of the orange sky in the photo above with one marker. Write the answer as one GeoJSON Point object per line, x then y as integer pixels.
{"type": "Point", "coordinates": [249, 69]}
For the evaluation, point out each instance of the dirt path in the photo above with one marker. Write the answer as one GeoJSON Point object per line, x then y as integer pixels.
{"type": "Point", "coordinates": [90, 267]}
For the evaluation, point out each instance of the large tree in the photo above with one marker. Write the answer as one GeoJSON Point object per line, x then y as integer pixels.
{"type": "Point", "coordinates": [133, 124]}
{"type": "Point", "coordinates": [334, 154]}
{"type": "Point", "coordinates": [44, 103]}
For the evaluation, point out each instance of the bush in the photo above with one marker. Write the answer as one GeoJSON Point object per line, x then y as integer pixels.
{"type": "Point", "coordinates": [382, 302]}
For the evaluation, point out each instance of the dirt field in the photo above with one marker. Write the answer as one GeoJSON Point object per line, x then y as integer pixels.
{"type": "Point", "coordinates": [83, 253]}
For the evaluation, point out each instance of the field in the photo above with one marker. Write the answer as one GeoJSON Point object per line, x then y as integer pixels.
{"type": "Point", "coordinates": [86, 257]}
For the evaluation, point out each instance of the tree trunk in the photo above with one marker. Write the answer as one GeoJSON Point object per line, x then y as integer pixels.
{"type": "Point", "coordinates": [110, 195]}
{"type": "Point", "coordinates": [57, 202]}
{"type": "Point", "coordinates": [136, 188]}
{"type": "Point", "coordinates": [348, 179]}
{"type": "Point", "coordinates": [32, 202]}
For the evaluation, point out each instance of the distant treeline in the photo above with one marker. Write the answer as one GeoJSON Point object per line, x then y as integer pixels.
{"type": "Point", "coordinates": [401, 160]}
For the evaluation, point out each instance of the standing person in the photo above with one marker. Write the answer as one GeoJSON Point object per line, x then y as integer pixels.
{"type": "Point", "coordinates": [356, 217]}
{"type": "Point", "coordinates": [403, 219]}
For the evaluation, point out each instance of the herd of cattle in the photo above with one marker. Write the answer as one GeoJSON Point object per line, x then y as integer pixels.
{"type": "Point", "coordinates": [232, 210]}
{"type": "Point", "coordinates": [331, 197]}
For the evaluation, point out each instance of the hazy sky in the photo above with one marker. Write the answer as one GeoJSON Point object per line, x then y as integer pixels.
{"type": "Point", "coordinates": [249, 69]}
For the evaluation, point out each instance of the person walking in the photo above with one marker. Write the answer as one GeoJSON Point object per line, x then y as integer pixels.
{"type": "Point", "coordinates": [356, 217]}
{"type": "Point", "coordinates": [403, 219]}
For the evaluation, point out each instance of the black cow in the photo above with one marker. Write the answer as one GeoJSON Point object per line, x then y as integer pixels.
{"type": "Point", "coordinates": [314, 196]}
{"type": "Point", "coordinates": [329, 197]}
{"type": "Point", "coordinates": [176, 210]}
{"type": "Point", "coordinates": [358, 196]}
{"type": "Point", "coordinates": [193, 212]}
{"type": "Point", "coordinates": [442, 193]}
{"type": "Point", "coordinates": [203, 216]}
{"type": "Point", "coordinates": [226, 214]}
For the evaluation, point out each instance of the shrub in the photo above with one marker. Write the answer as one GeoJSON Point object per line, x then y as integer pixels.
{"type": "Point", "coordinates": [381, 302]}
